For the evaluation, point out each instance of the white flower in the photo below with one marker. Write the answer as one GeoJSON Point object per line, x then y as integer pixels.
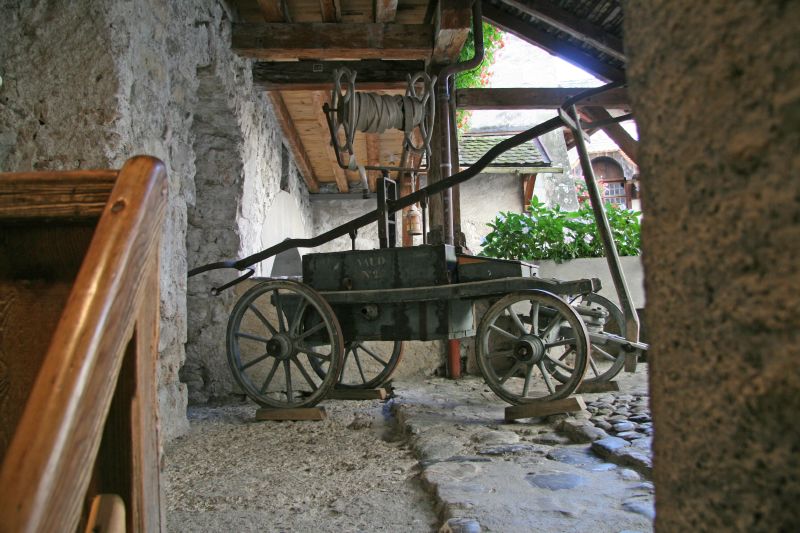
{"type": "Point", "coordinates": [526, 230]}
{"type": "Point", "coordinates": [501, 218]}
{"type": "Point", "coordinates": [569, 235]}
{"type": "Point", "coordinates": [587, 238]}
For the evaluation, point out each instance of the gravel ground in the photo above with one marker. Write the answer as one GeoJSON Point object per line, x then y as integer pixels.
{"type": "Point", "coordinates": [347, 473]}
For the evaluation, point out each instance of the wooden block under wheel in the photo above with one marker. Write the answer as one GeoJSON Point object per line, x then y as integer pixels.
{"type": "Point", "coordinates": [537, 409]}
{"type": "Point", "coordinates": [299, 413]}
{"type": "Point", "coordinates": [357, 394]}
{"type": "Point", "coordinates": [593, 387]}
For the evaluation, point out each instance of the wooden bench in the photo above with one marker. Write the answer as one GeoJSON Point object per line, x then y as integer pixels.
{"type": "Point", "coordinates": [79, 312]}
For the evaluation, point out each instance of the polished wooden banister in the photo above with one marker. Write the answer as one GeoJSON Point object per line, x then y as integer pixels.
{"type": "Point", "coordinates": [102, 355]}
{"type": "Point", "coordinates": [55, 195]}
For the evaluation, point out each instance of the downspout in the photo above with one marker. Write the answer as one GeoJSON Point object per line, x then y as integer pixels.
{"type": "Point", "coordinates": [443, 106]}
{"type": "Point", "coordinates": [443, 96]}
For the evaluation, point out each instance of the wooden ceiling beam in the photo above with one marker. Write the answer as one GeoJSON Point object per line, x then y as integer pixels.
{"type": "Point", "coordinates": [274, 10]}
{"type": "Point", "coordinates": [385, 10]}
{"type": "Point", "coordinates": [551, 43]}
{"type": "Point", "coordinates": [615, 132]}
{"type": "Point", "coordinates": [453, 22]}
{"type": "Point", "coordinates": [320, 98]}
{"type": "Point", "coordinates": [322, 40]}
{"type": "Point", "coordinates": [535, 98]}
{"type": "Point", "coordinates": [293, 142]}
{"type": "Point", "coordinates": [331, 10]}
{"type": "Point", "coordinates": [579, 28]}
{"type": "Point", "coordinates": [373, 74]}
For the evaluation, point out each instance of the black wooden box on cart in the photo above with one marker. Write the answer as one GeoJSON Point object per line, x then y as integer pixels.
{"type": "Point", "coordinates": [366, 273]}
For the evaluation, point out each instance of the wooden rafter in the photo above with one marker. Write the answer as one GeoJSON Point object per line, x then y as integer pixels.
{"type": "Point", "coordinates": [535, 98]}
{"type": "Point", "coordinates": [331, 10]}
{"type": "Point", "coordinates": [321, 40]}
{"type": "Point", "coordinates": [579, 28]}
{"type": "Point", "coordinates": [453, 22]}
{"type": "Point", "coordinates": [385, 10]}
{"type": "Point", "coordinates": [552, 44]}
{"type": "Point", "coordinates": [293, 142]}
{"type": "Point", "coordinates": [528, 184]}
{"type": "Point", "coordinates": [274, 10]}
{"type": "Point", "coordinates": [615, 132]}
{"type": "Point", "coordinates": [373, 158]}
{"type": "Point", "coordinates": [373, 74]}
{"type": "Point", "coordinates": [320, 98]}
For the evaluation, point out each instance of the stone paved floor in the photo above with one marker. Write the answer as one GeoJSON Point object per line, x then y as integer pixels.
{"type": "Point", "coordinates": [439, 452]}
{"type": "Point", "coordinates": [585, 472]}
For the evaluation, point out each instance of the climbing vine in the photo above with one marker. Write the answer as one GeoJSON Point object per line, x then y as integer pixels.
{"type": "Point", "coordinates": [479, 76]}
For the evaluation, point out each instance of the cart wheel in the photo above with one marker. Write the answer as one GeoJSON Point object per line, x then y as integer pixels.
{"type": "Point", "coordinates": [369, 364]}
{"type": "Point", "coordinates": [605, 362]}
{"type": "Point", "coordinates": [522, 338]}
{"type": "Point", "coordinates": [278, 332]}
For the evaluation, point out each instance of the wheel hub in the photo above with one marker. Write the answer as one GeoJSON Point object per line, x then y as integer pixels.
{"type": "Point", "coordinates": [280, 346]}
{"type": "Point", "coordinates": [529, 349]}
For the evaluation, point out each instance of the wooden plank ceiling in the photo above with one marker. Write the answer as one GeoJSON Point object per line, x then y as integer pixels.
{"type": "Point", "coordinates": [297, 45]}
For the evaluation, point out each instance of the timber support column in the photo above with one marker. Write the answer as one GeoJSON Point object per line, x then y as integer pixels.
{"type": "Point", "coordinates": [453, 19]}
{"type": "Point", "coordinates": [435, 205]}
{"type": "Point", "coordinates": [714, 86]}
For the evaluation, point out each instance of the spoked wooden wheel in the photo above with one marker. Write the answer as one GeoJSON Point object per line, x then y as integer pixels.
{"type": "Point", "coordinates": [522, 338]}
{"type": "Point", "coordinates": [600, 315]}
{"type": "Point", "coordinates": [368, 364]}
{"type": "Point", "coordinates": [278, 333]}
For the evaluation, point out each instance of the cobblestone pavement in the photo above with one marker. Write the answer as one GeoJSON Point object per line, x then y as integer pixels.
{"type": "Point", "coordinates": [436, 457]}
{"type": "Point", "coordinates": [583, 472]}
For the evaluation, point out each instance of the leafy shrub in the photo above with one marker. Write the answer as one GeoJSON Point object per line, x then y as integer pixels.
{"type": "Point", "coordinates": [550, 233]}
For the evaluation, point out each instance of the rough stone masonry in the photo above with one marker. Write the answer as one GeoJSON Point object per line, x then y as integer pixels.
{"type": "Point", "coordinates": [88, 84]}
{"type": "Point", "coordinates": [715, 87]}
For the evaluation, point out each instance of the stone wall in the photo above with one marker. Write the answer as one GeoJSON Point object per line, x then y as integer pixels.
{"type": "Point", "coordinates": [482, 198]}
{"type": "Point", "coordinates": [159, 78]}
{"type": "Point", "coordinates": [716, 93]}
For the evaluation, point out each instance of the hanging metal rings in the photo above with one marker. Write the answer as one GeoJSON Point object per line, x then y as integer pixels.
{"type": "Point", "coordinates": [370, 112]}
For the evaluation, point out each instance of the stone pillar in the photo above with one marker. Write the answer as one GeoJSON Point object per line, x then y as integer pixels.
{"type": "Point", "coordinates": [716, 91]}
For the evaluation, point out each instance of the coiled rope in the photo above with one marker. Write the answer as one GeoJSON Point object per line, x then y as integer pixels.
{"type": "Point", "coordinates": [375, 113]}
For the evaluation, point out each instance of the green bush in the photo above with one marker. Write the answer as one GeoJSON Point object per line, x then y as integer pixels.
{"type": "Point", "coordinates": [545, 233]}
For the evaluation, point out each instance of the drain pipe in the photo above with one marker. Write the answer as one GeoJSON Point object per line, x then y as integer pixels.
{"type": "Point", "coordinates": [443, 96]}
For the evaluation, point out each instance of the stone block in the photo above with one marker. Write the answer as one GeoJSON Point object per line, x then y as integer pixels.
{"type": "Point", "coordinates": [580, 431]}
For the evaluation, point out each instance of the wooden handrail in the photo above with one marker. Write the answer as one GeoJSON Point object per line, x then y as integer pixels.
{"type": "Point", "coordinates": [55, 195]}
{"type": "Point", "coordinates": [52, 458]}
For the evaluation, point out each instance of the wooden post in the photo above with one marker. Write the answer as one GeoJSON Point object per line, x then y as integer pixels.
{"type": "Point", "coordinates": [435, 208]}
